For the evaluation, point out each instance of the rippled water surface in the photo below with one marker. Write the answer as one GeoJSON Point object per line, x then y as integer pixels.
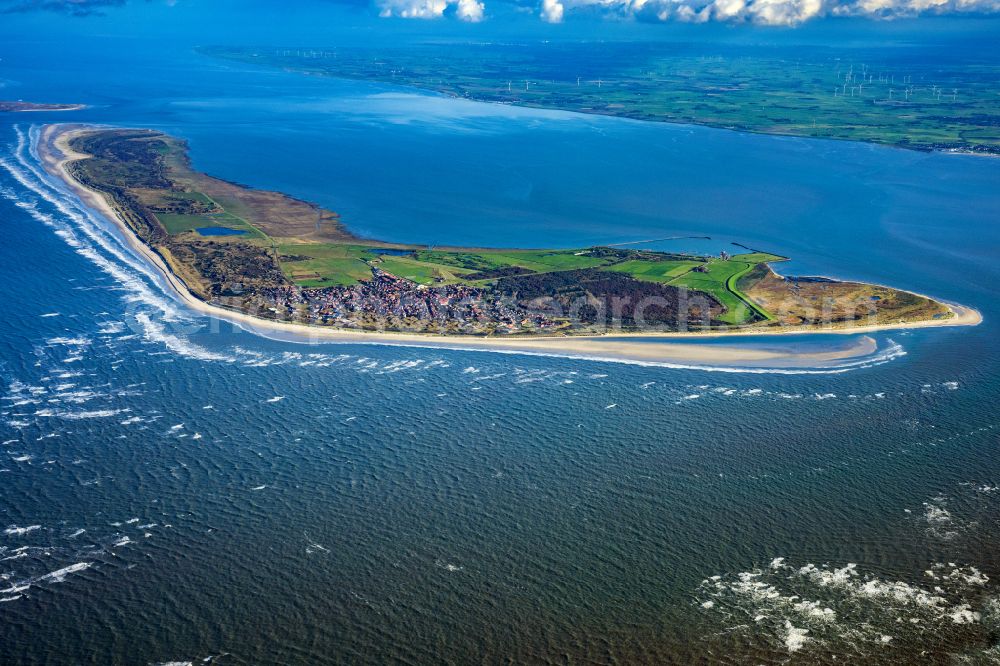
{"type": "Point", "coordinates": [172, 489]}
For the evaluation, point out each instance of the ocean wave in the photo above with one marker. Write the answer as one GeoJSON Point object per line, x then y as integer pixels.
{"type": "Point", "coordinates": [75, 342]}
{"type": "Point", "coordinates": [81, 228]}
{"type": "Point", "coordinates": [845, 610]}
{"type": "Point", "coordinates": [59, 575]}
{"type": "Point", "coordinates": [156, 332]}
{"type": "Point", "coordinates": [91, 414]}
{"type": "Point", "coordinates": [14, 530]}
{"type": "Point", "coordinates": [113, 257]}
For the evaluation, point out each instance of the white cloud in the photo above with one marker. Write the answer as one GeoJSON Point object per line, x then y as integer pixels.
{"type": "Point", "coordinates": [552, 11]}
{"type": "Point", "coordinates": [762, 12]}
{"type": "Point", "coordinates": [418, 9]}
{"type": "Point", "coordinates": [470, 10]}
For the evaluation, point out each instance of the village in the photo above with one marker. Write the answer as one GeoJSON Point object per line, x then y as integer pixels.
{"type": "Point", "coordinates": [388, 302]}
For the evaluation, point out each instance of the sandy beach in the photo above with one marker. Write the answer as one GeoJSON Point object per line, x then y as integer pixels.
{"type": "Point", "coordinates": [653, 347]}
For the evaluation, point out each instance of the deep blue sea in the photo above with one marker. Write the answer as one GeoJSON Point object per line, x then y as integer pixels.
{"type": "Point", "coordinates": [176, 490]}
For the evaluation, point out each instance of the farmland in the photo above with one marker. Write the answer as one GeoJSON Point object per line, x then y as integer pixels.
{"type": "Point", "coordinates": [878, 95]}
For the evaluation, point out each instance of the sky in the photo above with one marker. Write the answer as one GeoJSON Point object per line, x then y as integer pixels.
{"type": "Point", "coordinates": [761, 12]}
{"type": "Point", "coordinates": [346, 21]}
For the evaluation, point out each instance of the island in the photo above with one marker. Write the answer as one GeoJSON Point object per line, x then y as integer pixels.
{"type": "Point", "coordinates": [20, 106]}
{"type": "Point", "coordinates": [267, 257]}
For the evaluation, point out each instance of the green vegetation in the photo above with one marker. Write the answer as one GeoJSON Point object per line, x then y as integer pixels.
{"type": "Point", "coordinates": [654, 271]}
{"type": "Point", "coordinates": [535, 261]}
{"type": "Point", "coordinates": [719, 278]}
{"type": "Point", "coordinates": [421, 272]}
{"type": "Point", "coordinates": [875, 94]}
{"type": "Point", "coordinates": [324, 264]}
{"type": "Point", "coordinates": [327, 264]}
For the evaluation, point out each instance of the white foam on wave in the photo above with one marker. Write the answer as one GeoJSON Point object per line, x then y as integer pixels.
{"type": "Point", "coordinates": [114, 257]}
{"type": "Point", "coordinates": [313, 547]}
{"type": "Point", "coordinates": [14, 530]}
{"type": "Point", "coordinates": [795, 638]}
{"type": "Point", "coordinates": [89, 414]}
{"type": "Point", "coordinates": [97, 240]}
{"type": "Point", "coordinates": [855, 613]}
{"type": "Point", "coordinates": [59, 575]}
{"type": "Point", "coordinates": [111, 328]}
{"type": "Point", "coordinates": [940, 521]}
{"type": "Point", "coordinates": [448, 566]}
{"type": "Point", "coordinates": [155, 332]}
{"type": "Point", "coordinates": [69, 342]}
{"type": "Point", "coordinates": [256, 359]}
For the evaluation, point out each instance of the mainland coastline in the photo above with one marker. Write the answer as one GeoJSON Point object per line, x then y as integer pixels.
{"type": "Point", "coordinates": [645, 347]}
{"type": "Point", "coordinates": [20, 106]}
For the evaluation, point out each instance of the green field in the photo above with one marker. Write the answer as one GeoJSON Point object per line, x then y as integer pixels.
{"type": "Point", "coordinates": [654, 271]}
{"type": "Point", "coordinates": [421, 272]}
{"type": "Point", "coordinates": [538, 261]}
{"type": "Point", "coordinates": [324, 265]}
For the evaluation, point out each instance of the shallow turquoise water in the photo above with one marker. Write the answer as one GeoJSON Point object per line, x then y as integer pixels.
{"type": "Point", "coordinates": [282, 503]}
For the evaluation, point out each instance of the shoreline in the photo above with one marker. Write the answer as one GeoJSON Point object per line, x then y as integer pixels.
{"type": "Point", "coordinates": [54, 154]}
{"type": "Point", "coordinates": [725, 128]}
